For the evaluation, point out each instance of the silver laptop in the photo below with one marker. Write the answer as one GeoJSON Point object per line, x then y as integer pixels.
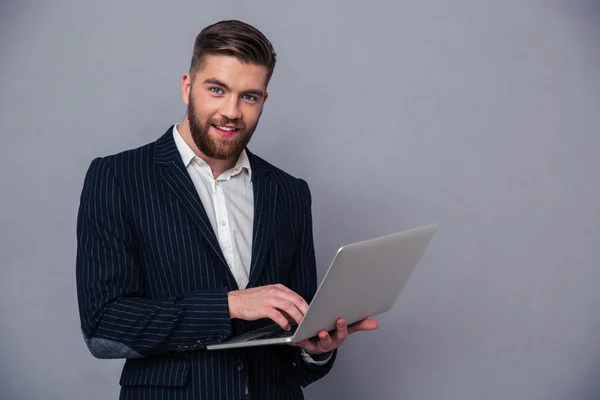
{"type": "Point", "coordinates": [363, 280]}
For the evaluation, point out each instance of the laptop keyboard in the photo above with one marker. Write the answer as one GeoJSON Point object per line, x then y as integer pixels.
{"type": "Point", "coordinates": [276, 334]}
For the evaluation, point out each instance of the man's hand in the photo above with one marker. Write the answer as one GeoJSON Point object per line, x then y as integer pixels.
{"type": "Point", "coordinates": [325, 342]}
{"type": "Point", "coordinates": [276, 302]}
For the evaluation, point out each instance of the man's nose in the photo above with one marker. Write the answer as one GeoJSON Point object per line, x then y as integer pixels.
{"type": "Point", "coordinates": [230, 108]}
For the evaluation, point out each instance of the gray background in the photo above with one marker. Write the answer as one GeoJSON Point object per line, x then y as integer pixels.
{"type": "Point", "coordinates": [482, 116]}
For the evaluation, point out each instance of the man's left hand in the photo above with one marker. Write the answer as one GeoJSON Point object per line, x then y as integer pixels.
{"type": "Point", "coordinates": [325, 341]}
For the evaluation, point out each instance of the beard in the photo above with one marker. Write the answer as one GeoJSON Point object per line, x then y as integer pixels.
{"type": "Point", "coordinates": [214, 146]}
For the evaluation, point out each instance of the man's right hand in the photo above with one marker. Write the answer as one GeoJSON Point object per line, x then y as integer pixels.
{"type": "Point", "coordinates": [273, 301]}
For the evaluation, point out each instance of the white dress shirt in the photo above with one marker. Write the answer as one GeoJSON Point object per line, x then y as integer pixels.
{"type": "Point", "coordinates": [229, 204]}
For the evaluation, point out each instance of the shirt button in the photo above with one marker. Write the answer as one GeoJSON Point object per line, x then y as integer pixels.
{"type": "Point", "coordinates": [223, 223]}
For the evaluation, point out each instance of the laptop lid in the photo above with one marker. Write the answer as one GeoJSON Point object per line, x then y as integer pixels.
{"type": "Point", "coordinates": [365, 279]}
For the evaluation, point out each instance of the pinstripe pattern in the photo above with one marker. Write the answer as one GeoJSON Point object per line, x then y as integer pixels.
{"type": "Point", "coordinates": [152, 281]}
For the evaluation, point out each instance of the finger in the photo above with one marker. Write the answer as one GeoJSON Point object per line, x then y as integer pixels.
{"type": "Point", "coordinates": [287, 316]}
{"type": "Point", "coordinates": [341, 329]}
{"type": "Point", "coordinates": [325, 340]}
{"type": "Point", "coordinates": [292, 296]}
{"type": "Point", "coordinates": [287, 308]}
{"type": "Point", "coordinates": [364, 325]}
{"type": "Point", "coordinates": [278, 318]}
{"type": "Point", "coordinates": [278, 296]}
{"type": "Point", "coordinates": [297, 300]}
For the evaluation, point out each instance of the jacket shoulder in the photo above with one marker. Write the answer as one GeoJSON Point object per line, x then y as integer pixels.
{"type": "Point", "coordinates": [296, 187]}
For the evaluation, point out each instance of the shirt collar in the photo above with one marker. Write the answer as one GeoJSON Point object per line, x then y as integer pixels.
{"type": "Point", "coordinates": [188, 155]}
{"type": "Point", "coordinates": [186, 152]}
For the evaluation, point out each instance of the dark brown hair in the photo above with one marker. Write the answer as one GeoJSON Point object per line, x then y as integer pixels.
{"type": "Point", "coordinates": [237, 39]}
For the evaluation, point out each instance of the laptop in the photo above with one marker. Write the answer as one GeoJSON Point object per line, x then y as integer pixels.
{"type": "Point", "coordinates": [363, 280]}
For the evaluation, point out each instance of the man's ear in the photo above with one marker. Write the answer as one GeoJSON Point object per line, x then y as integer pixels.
{"type": "Point", "coordinates": [186, 87]}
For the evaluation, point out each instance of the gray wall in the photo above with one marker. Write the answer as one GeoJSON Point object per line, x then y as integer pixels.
{"type": "Point", "coordinates": [482, 116]}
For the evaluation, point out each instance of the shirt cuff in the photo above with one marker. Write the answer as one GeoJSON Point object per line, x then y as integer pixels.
{"type": "Point", "coordinates": [309, 360]}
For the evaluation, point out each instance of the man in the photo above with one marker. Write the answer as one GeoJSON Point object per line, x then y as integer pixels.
{"type": "Point", "coordinates": [191, 239]}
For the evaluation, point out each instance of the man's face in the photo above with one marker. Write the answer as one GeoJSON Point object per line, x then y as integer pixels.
{"type": "Point", "coordinates": [225, 101]}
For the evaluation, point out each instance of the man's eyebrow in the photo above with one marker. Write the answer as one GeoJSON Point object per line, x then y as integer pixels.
{"type": "Point", "coordinates": [214, 81]}
{"type": "Point", "coordinates": [255, 92]}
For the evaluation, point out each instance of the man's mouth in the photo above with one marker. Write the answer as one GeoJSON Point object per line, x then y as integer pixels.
{"type": "Point", "coordinates": [226, 130]}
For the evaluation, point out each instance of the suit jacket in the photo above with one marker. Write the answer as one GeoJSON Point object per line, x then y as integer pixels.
{"type": "Point", "coordinates": [152, 281]}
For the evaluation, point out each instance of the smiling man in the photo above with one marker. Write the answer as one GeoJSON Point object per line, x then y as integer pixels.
{"type": "Point", "coordinates": [191, 239]}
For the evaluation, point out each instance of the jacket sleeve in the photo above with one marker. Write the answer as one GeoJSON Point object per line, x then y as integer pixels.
{"type": "Point", "coordinates": [117, 321]}
{"type": "Point", "coordinates": [304, 282]}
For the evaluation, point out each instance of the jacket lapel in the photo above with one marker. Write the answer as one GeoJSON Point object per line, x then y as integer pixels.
{"type": "Point", "coordinates": [178, 182]}
{"type": "Point", "coordinates": [265, 197]}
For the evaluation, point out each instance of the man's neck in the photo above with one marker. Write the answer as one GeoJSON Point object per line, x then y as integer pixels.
{"type": "Point", "coordinates": [216, 166]}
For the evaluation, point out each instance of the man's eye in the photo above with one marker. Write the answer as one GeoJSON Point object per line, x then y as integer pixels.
{"type": "Point", "coordinates": [249, 97]}
{"type": "Point", "coordinates": [216, 90]}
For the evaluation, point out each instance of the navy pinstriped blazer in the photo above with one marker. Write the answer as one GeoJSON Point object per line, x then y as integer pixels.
{"type": "Point", "coordinates": [152, 281]}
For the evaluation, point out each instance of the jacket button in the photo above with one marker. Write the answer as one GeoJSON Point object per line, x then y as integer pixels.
{"type": "Point", "coordinates": [239, 365]}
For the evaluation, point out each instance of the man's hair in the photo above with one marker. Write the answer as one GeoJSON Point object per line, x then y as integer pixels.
{"type": "Point", "coordinates": [236, 39]}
